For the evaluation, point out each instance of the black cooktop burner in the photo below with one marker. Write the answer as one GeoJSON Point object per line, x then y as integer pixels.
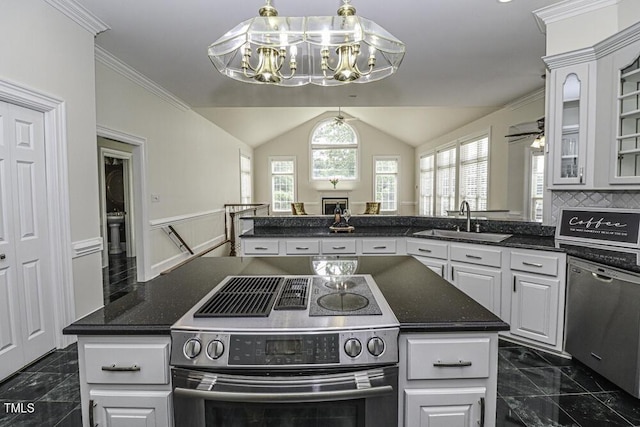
{"type": "Point", "coordinates": [343, 301]}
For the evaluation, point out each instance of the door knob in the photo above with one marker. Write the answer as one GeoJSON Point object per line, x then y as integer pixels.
{"type": "Point", "coordinates": [2, 256]}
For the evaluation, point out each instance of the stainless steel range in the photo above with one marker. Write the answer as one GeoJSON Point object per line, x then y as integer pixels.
{"type": "Point", "coordinates": [287, 350]}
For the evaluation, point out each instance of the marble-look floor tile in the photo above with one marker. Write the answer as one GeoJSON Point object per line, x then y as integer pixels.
{"type": "Point", "coordinates": [622, 403]}
{"type": "Point", "coordinates": [505, 416]}
{"type": "Point", "coordinates": [67, 391]}
{"type": "Point", "coordinates": [551, 381]}
{"type": "Point", "coordinates": [73, 419]}
{"type": "Point", "coordinates": [540, 411]}
{"type": "Point", "coordinates": [44, 414]}
{"type": "Point", "coordinates": [515, 383]}
{"type": "Point", "coordinates": [30, 387]}
{"type": "Point", "coordinates": [588, 379]}
{"type": "Point", "coordinates": [589, 411]}
{"type": "Point", "coordinates": [522, 357]}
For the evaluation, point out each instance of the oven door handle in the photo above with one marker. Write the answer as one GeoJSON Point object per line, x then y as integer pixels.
{"type": "Point", "coordinates": [319, 396]}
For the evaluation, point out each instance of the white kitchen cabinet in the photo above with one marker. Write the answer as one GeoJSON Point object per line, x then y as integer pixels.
{"type": "Point", "coordinates": [569, 134]}
{"type": "Point", "coordinates": [448, 379]}
{"type": "Point", "coordinates": [433, 254]}
{"type": "Point", "coordinates": [302, 247]}
{"type": "Point", "coordinates": [483, 284]}
{"type": "Point", "coordinates": [124, 381]}
{"type": "Point", "coordinates": [537, 299]}
{"type": "Point", "coordinates": [260, 247]}
{"type": "Point", "coordinates": [534, 308]}
{"type": "Point", "coordinates": [117, 408]}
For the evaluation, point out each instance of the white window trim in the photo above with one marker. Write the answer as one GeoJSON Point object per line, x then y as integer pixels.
{"type": "Point", "coordinates": [433, 181]}
{"type": "Point", "coordinates": [247, 156]}
{"type": "Point", "coordinates": [373, 183]}
{"type": "Point", "coordinates": [270, 180]}
{"type": "Point", "coordinates": [456, 143]}
{"type": "Point", "coordinates": [325, 146]}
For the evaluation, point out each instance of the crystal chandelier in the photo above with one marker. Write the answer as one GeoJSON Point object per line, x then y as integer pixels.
{"type": "Point", "coordinates": [295, 51]}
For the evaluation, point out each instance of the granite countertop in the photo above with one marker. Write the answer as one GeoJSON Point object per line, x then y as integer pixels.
{"type": "Point", "coordinates": [523, 241]}
{"type": "Point", "coordinates": [421, 300]}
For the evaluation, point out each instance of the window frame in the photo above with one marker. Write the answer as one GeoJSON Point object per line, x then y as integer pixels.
{"type": "Point", "coordinates": [271, 175]}
{"type": "Point", "coordinates": [250, 174]}
{"type": "Point", "coordinates": [395, 158]}
{"type": "Point", "coordinates": [456, 144]}
{"type": "Point", "coordinates": [433, 183]}
{"type": "Point", "coordinates": [313, 146]}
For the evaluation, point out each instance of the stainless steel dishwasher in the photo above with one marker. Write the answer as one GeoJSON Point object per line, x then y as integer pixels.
{"type": "Point", "coordinates": [603, 321]}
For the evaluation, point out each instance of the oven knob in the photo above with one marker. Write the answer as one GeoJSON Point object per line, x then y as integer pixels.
{"type": "Point", "coordinates": [375, 346]}
{"type": "Point", "coordinates": [192, 348]}
{"type": "Point", "coordinates": [215, 349]}
{"type": "Point", "coordinates": [352, 347]}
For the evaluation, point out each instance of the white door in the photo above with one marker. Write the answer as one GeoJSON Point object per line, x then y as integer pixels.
{"type": "Point", "coordinates": [26, 314]}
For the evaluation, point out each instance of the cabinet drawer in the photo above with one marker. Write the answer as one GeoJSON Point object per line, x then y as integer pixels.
{"type": "Point", "coordinates": [339, 246]}
{"type": "Point", "coordinates": [534, 263]}
{"type": "Point", "coordinates": [118, 363]}
{"type": "Point", "coordinates": [302, 247]}
{"type": "Point", "coordinates": [476, 255]}
{"type": "Point", "coordinates": [448, 358]}
{"type": "Point", "coordinates": [423, 247]}
{"type": "Point", "coordinates": [260, 247]}
{"type": "Point", "coordinates": [379, 246]}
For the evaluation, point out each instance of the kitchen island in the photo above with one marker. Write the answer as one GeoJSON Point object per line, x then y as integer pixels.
{"type": "Point", "coordinates": [435, 318]}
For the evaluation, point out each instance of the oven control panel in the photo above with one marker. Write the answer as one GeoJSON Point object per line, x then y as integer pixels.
{"type": "Point", "coordinates": [285, 350]}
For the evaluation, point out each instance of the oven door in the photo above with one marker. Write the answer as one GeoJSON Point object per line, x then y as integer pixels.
{"type": "Point", "coordinates": [365, 398]}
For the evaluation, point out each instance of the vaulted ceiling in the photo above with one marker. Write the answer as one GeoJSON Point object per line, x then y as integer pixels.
{"type": "Point", "coordinates": [464, 59]}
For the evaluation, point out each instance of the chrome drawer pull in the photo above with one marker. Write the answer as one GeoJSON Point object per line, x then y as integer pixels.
{"type": "Point", "coordinates": [114, 368]}
{"type": "Point", "coordinates": [379, 247]}
{"type": "Point", "coordinates": [532, 264]}
{"type": "Point", "coordinates": [260, 248]}
{"type": "Point", "coordinates": [424, 250]}
{"type": "Point", "coordinates": [460, 363]}
{"type": "Point", "coordinates": [302, 248]}
{"type": "Point", "coordinates": [473, 256]}
{"type": "Point", "coordinates": [92, 404]}
{"type": "Point", "coordinates": [339, 247]}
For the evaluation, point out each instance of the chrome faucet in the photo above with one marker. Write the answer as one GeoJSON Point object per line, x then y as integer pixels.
{"type": "Point", "coordinates": [464, 205]}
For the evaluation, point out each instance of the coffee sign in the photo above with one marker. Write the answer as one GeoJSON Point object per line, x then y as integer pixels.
{"type": "Point", "coordinates": [615, 227]}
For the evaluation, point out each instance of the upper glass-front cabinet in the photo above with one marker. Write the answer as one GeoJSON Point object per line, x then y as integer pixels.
{"type": "Point", "coordinates": [568, 126]}
{"type": "Point", "coordinates": [627, 165]}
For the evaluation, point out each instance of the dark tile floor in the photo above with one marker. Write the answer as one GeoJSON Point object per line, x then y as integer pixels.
{"type": "Point", "coordinates": [535, 389]}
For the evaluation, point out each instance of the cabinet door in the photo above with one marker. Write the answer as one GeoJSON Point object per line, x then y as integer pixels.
{"type": "Point", "coordinates": [480, 283]}
{"type": "Point", "coordinates": [534, 308]}
{"type": "Point", "coordinates": [437, 266]}
{"type": "Point", "coordinates": [569, 125]}
{"type": "Point", "coordinates": [448, 407]}
{"type": "Point", "coordinates": [119, 408]}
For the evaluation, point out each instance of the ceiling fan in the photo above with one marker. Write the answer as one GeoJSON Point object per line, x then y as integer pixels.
{"type": "Point", "coordinates": [340, 119]}
{"type": "Point", "coordinates": [539, 133]}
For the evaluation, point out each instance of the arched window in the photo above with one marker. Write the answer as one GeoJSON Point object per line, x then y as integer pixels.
{"type": "Point", "coordinates": [334, 151]}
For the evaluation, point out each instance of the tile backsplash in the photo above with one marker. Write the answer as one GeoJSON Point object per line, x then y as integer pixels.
{"type": "Point", "coordinates": [598, 199]}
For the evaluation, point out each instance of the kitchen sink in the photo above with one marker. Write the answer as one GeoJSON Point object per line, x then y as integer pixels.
{"type": "Point", "coordinates": [467, 235]}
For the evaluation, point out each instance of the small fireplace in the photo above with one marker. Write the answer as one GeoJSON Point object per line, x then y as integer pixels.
{"type": "Point", "coordinates": [329, 204]}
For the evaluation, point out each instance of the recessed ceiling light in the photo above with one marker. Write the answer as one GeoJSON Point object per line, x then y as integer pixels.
{"type": "Point", "coordinates": [504, 1]}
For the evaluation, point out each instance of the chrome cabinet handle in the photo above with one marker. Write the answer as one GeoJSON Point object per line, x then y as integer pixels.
{"type": "Point", "coordinates": [442, 270]}
{"type": "Point", "coordinates": [339, 247]}
{"type": "Point", "coordinates": [114, 368]}
{"type": "Point", "coordinates": [379, 247]}
{"type": "Point", "coordinates": [2, 256]}
{"type": "Point", "coordinates": [424, 250]}
{"type": "Point", "coordinates": [532, 264]}
{"type": "Point", "coordinates": [302, 248]}
{"type": "Point", "coordinates": [581, 174]}
{"type": "Point", "coordinates": [473, 256]}
{"type": "Point", "coordinates": [92, 405]}
{"type": "Point", "coordinates": [514, 283]}
{"type": "Point", "coordinates": [260, 248]}
{"type": "Point", "coordinates": [482, 411]}
{"type": "Point", "coordinates": [458, 364]}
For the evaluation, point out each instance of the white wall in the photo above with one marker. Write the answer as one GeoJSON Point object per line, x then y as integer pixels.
{"type": "Point", "coordinates": [45, 51]}
{"type": "Point", "coordinates": [193, 165]}
{"type": "Point", "coordinates": [372, 143]}
{"type": "Point", "coordinates": [527, 109]}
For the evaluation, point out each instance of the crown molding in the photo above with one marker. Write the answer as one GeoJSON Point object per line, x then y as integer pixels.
{"type": "Point", "coordinates": [136, 77]}
{"type": "Point", "coordinates": [80, 15]}
{"type": "Point", "coordinates": [527, 99]}
{"type": "Point", "coordinates": [605, 47]}
{"type": "Point", "coordinates": [567, 9]}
